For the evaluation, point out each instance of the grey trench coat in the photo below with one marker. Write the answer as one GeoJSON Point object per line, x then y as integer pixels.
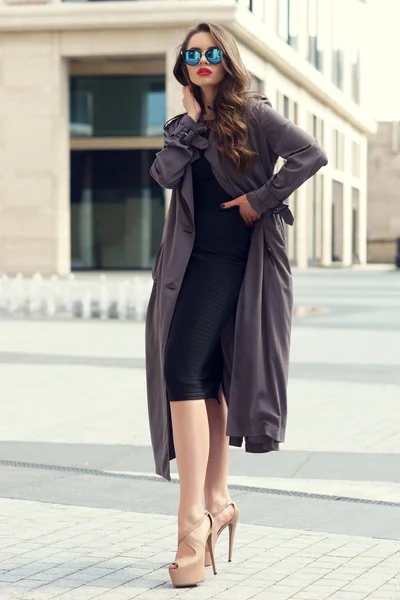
{"type": "Point", "coordinates": [256, 344]}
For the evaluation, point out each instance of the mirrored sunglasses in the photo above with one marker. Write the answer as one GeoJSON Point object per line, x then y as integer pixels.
{"type": "Point", "coordinates": [193, 57]}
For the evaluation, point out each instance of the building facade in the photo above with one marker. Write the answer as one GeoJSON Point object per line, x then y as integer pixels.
{"type": "Point", "coordinates": [384, 193]}
{"type": "Point", "coordinates": [85, 88]}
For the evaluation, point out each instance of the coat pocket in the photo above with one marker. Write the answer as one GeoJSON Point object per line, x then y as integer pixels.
{"type": "Point", "coordinates": [156, 262]}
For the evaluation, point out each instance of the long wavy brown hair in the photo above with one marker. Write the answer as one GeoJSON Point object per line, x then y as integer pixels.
{"type": "Point", "coordinates": [230, 100]}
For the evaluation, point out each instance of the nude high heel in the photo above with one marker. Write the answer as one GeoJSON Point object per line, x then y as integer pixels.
{"type": "Point", "coordinates": [190, 570]}
{"type": "Point", "coordinates": [232, 523]}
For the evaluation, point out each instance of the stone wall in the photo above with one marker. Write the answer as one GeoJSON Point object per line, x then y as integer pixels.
{"type": "Point", "coordinates": [34, 203]}
{"type": "Point", "coordinates": [384, 192]}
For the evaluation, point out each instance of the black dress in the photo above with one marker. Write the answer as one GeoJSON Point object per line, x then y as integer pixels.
{"type": "Point", "coordinates": [209, 291]}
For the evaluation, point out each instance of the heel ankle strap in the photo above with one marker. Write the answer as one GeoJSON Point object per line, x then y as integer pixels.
{"type": "Point", "coordinates": [229, 502]}
{"type": "Point", "coordinates": [196, 525]}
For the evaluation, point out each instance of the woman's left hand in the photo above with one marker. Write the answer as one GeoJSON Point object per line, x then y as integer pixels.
{"type": "Point", "coordinates": [248, 214]}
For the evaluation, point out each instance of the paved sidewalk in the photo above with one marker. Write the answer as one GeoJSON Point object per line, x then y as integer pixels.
{"type": "Point", "coordinates": [76, 553]}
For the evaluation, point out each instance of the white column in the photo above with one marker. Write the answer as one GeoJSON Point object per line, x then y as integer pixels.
{"type": "Point", "coordinates": [291, 235]}
{"type": "Point", "coordinates": [362, 214]}
{"type": "Point", "coordinates": [62, 170]}
{"type": "Point", "coordinates": [271, 15]}
{"type": "Point", "coordinates": [346, 35]}
{"type": "Point", "coordinates": [326, 255]}
{"type": "Point", "coordinates": [303, 31]}
{"type": "Point", "coordinates": [347, 201]}
{"type": "Point", "coordinates": [270, 84]}
{"type": "Point", "coordinates": [173, 90]}
{"type": "Point", "coordinates": [327, 17]}
{"type": "Point", "coordinates": [302, 198]}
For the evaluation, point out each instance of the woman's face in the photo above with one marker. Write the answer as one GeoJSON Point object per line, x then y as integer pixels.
{"type": "Point", "coordinates": [204, 74]}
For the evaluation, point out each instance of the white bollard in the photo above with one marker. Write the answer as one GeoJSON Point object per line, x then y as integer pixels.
{"type": "Point", "coordinates": [4, 284]}
{"type": "Point", "coordinates": [55, 292]}
{"type": "Point", "coordinates": [11, 297]}
{"type": "Point", "coordinates": [50, 299]}
{"type": "Point", "coordinates": [34, 303]}
{"type": "Point", "coordinates": [139, 299]}
{"type": "Point", "coordinates": [87, 305]}
{"type": "Point", "coordinates": [132, 300]}
{"type": "Point", "coordinates": [68, 293]}
{"type": "Point", "coordinates": [122, 301]}
{"type": "Point", "coordinates": [104, 300]}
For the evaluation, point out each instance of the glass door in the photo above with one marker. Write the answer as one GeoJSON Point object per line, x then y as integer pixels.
{"type": "Point", "coordinates": [116, 128]}
{"type": "Point", "coordinates": [117, 209]}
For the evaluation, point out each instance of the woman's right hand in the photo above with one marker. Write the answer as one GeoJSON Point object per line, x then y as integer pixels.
{"type": "Point", "coordinates": [190, 103]}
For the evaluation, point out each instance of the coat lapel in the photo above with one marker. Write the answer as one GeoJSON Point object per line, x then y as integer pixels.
{"type": "Point", "coordinates": [187, 192]}
{"type": "Point", "coordinates": [213, 156]}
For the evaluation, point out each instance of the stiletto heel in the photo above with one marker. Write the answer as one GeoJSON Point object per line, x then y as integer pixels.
{"type": "Point", "coordinates": [189, 571]}
{"type": "Point", "coordinates": [211, 546]}
{"type": "Point", "coordinates": [232, 523]}
{"type": "Point", "coordinates": [232, 530]}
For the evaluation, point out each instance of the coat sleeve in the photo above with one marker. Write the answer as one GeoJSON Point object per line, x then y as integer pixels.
{"type": "Point", "coordinates": [304, 157]}
{"type": "Point", "coordinates": [181, 136]}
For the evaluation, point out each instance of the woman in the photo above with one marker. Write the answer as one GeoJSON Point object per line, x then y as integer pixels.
{"type": "Point", "coordinates": [218, 320]}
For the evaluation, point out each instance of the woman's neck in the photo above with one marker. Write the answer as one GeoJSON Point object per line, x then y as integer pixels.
{"type": "Point", "coordinates": [208, 96]}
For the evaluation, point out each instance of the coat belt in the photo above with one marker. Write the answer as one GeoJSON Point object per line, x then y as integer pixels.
{"type": "Point", "coordinates": [285, 212]}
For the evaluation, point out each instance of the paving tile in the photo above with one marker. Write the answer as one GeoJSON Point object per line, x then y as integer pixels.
{"type": "Point", "coordinates": [81, 593]}
{"type": "Point", "coordinates": [116, 594]}
{"type": "Point", "coordinates": [274, 596]}
{"type": "Point", "coordinates": [313, 595]}
{"type": "Point", "coordinates": [17, 591]}
{"type": "Point", "coordinates": [284, 564]}
{"type": "Point", "coordinates": [240, 592]}
{"type": "Point", "coordinates": [348, 595]}
{"type": "Point", "coordinates": [47, 592]}
{"type": "Point", "coordinates": [394, 595]}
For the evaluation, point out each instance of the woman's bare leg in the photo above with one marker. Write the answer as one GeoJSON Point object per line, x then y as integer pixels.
{"type": "Point", "coordinates": [192, 441]}
{"type": "Point", "coordinates": [216, 483]}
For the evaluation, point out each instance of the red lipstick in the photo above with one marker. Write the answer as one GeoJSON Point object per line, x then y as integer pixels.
{"type": "Point", "coordinates": [204, 71]}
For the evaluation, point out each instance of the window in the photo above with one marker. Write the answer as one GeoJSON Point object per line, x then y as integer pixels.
{"type": "Point", "coordinates": [115, 106]}
{"type": "Point", "coordinates": [286, 109]}
{"type": "Point", "coordinates": [117, 209]}
{"type": "Point", "coordinates": [317, 16]}
{"type": "Point", "coordinates": [337, 220]}
{"type": "Point", "coordinates": [316, 127]}
{"type": "Point", "coordinates": [256, 84]}
{"type": "Point", "coordinates": [288, 21]}
{"type": "Point", "coordinates": [355, 78]}
{"type": "Point", "coordinates": [338, 150]}
{"type": "Point", "coordinates": [286, 106]}
{"type": "Point", "coordinates": [255, 6]}
{"type": "Point", "coordinates": [355, 225]}
{"type": "Point", "coordinates": [356, 26]}
{"type": "Point", "coordinates": [338, 41]}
